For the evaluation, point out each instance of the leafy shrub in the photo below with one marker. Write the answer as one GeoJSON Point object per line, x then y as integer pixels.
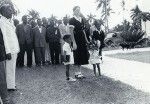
{"type": "Point", "coordinates": [132, 35]}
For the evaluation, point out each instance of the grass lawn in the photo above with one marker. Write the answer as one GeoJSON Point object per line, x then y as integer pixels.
{"type": "Point", "coordinates": [135, 56]}
{"type": "Point", "coordinates": [48, 85]}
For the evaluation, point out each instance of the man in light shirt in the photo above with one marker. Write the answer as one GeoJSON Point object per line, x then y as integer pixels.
{"type": "Point", "coordinates": [64, 29]}
{"type": "Point", "coordinates": [9, 47]}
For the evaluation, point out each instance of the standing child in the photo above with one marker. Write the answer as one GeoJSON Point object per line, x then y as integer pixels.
{"type": "Point", "coordinates": [95, 58]}
{"type": "Point", "coordinates": [68, 56]}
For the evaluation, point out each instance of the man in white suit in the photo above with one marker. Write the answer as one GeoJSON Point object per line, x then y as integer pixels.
{"type": "Point", "coordinates": [11, 44]}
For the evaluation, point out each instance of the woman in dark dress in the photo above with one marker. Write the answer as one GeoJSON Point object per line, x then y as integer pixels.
{"type": "Point", "coordinates": [80, 41]}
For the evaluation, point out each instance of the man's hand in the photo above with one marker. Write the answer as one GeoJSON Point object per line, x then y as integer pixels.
{"type": "Point", "coordinates": [8, 56]}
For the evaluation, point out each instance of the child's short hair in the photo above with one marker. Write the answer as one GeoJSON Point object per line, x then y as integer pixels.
{"type": "Point", "coordinates": [66, 37]}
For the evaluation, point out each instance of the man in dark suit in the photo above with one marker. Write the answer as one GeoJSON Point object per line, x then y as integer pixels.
{"type": "Point", "coordinates": [39, 33]}
{"type": "Point", "coordinates": [25, 39]}
{"type": "Point", "coordinates": [53, 38]}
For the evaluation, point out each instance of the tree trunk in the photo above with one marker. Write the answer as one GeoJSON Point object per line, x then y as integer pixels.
{"type": "Point", "coordinates": [145, 34]}
{"type": "Point", "coordinates": [106, 22]}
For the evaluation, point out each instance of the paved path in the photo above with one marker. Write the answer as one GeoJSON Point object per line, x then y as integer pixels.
{"type": "Point", "coordinates": [136, 74]}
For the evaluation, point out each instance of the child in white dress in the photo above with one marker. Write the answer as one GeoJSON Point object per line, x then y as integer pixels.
{"type": "Point", "coordinates": [68, 56]}
{"type": "Point", "coordinates": [95, 58]}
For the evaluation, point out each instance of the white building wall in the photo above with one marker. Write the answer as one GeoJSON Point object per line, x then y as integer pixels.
{"type": "Point", "coordinates": [146, 8]}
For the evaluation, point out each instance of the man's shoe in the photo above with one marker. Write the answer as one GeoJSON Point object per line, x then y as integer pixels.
{"type": "Point", "coordinates": [79, 76]}
{"type": "Point", "coordinates": [11, 90]}
{"type": "Point", "coordinates": [29, 66]}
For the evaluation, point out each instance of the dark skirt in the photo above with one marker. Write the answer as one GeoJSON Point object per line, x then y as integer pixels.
{"type": "Point", "coordinates": [81, 56]}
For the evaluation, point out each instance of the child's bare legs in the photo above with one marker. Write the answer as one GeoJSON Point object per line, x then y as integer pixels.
{"type": "Point", "coordinates": [68, 74]}
{"type": "Point", "coordinates": [67, 71]}
{"type": "Point", "coordinates": [99, 70]}
{"type": "Point", "coordinates": [94, 68]}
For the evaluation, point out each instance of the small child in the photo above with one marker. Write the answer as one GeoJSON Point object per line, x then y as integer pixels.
{"type": "Point", "coordinates": [68, 55]}
{"type": "Point", "coordinates": [95, 58]}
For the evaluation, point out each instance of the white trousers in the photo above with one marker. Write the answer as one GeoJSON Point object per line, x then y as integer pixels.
{"type": "Point", "coordinates": [1, 101]}
{"type": "Point", "coordinates": [47, 52]}
{"type": "Point", "coordinates": [11, 71]}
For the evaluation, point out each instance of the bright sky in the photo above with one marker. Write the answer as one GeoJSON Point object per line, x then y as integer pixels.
{"type": "Point", "coordinates": [62, 7]}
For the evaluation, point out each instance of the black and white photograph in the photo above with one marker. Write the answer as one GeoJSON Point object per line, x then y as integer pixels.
{"type": "Point", "coordinates": [74, 52]}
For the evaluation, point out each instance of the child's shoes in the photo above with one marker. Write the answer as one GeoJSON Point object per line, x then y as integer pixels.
{"type": "Point", "coordinates": [71, 79]}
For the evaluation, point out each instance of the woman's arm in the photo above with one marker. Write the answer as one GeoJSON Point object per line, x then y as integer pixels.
{"type": "Point", "coordinates": [72, 37]}
{"type": "Point", "coordinates": [85, 37]}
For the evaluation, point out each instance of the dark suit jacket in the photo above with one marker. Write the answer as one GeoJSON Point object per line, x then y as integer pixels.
{"type": "Point", "coordinates": [24, 36]}
{"type": "Point", "coordinates": [53, 34]}
{"type": "Point", "coordinates": [2, 48]}
{"type": "Point", "coordinates": [39, 38]}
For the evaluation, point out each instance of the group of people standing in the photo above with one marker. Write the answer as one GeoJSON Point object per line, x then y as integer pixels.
{"type": "Point", "coordinates": [85, 49]}
{"type": "Point", "coordinates": [66, 42]}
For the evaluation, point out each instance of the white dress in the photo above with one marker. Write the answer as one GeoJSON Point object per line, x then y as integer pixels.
{"type": "Point", "coordinates": [94, 57]}
{"type": "Point", "coordinates": [67, 48]}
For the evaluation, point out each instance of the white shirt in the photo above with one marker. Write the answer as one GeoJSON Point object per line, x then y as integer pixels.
{"type": "Point", "coordinates": [9, 35]}
{"type": "Point", "coordinates": [40, 28]}
{"type": "Point", "coordinates": [67, 49]}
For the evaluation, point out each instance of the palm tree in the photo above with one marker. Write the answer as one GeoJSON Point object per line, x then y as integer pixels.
{"type": "Point", "coordinates": [123, 3]}
{"type": "Point", "coordinates": [136, 15]}
{"type": "Point", "coordinates": [105, 17]}
{"type": "Point", "coordinates": [123, 9]}
{"type": "Point", "coordinates": [33, 15]}
{"type": "Point", "coordinates": [105, 5]}
{"type": "Point", "coordinates": [91, 17]}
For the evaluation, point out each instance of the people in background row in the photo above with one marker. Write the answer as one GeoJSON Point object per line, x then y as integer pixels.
{"type": "Point", "coordinates": [25, 38]}
{"type": "Point", "coordinates": [64, 29]}
{"type": "Point", "coordinates": [39, 42]}
{"type": "Point", "coordinates": [53, 38]}
{"type": "Point", "coordinates": [47, 51]}
{"type": "Point", "coordinates": [16, 22]}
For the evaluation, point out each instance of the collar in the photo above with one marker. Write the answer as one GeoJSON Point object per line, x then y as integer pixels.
{"type": "Point", "coordinates": [5, 19]}
{"type": "Point", "coordinates": [78, 18]}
